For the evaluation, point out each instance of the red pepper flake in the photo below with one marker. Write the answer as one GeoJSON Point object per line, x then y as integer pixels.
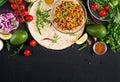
{"type": "Point", "coordinates": [47, 39]}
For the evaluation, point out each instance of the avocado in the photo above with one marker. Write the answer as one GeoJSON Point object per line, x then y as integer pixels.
{"type": "Point", "coordinates": [96, 30]}
{"type": "Point", "coordinates": [18, 37]}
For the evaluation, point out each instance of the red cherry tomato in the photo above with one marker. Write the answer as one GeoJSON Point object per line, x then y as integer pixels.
{"type": "Point", "coordinates": [28, 17]}
{"type": "Point", "coordinates": [94, 6]}
{"type": "Point", "coordinates": [11, 1]}
{"type": "Point", "coordinates": [106, 7]}
{"type": "Point", "coordinates": [22, 6]}
{"type": "Point", "coordinates": [21, 20]}
{"type": "Point", "coordinates": [17, 12]}
{"type": "Point", "coordinates": [24, 12]}
{"type": "Point", "coordinates": [102, 13]}
{"type": "Point", "coordinates": [27, 52]}
{"type": "Point", "coordinates": [32, 43]}
{"type": "Point", "coordinates": [13, 6]}
{"type": "Point", "coordinates": [19, 1]}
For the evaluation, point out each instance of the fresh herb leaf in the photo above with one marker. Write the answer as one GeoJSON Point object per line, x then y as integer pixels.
{"type": "Point", "coordinates": [72, 34]}
{"type": "Point", "coordinates": [63, 14]}
{"type": "Point", "coordinates": [113, 36]}
{"type": "Point", "coordinates": [88, 22]}
{"type": "Point", "coordinates": [18, 50]}
{"type": "Point", "coordinates": [8, 46]}
{"type": "Point", "coordinates": [82, 46]}
{"type": "Point", "coordinates": [55, 38]}
{"type": "Point", "coordinates": [41, 17]}
{"type": "Point", "coordinates": [30, 5]}
{"type": "Point", "coordinates": [117, 16]}
{"type": "Point", "coordinates": [68, 5]}
{"type": "Point", "coordinates": [14, 23]}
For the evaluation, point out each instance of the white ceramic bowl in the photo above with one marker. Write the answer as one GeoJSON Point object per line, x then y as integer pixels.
{"type": "Point", "coordinates": [101, 51]}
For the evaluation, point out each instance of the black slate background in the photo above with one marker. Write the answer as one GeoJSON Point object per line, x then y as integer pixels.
{"type": "Point", "coordinates": [68, 65]}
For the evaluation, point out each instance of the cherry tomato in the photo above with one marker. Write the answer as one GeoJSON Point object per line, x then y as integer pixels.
{"type": "Point", "coordinates": [27, 52]}
{"type": "Point", "coordinates": [11, 1]}
{"type": "Point", "coordinates": [32, 43]}
{"type": "Point", "coordinates": [28, 17]}
{"type": "Point", "coordinates": [17, 12]}
{"type": "Point", "coordinates": [24, 12]}
{"type": "Point", "coordinates": [106, 7]}
{"type": "Point", "coordinates": [19, 1]}
{"type": "Point", "coordinates": [21, 20]}
{"type": "Point", "coordinates": [22, 6]}
{"type": "Point", "coordinates": [94, 6]}
{"type": "Point", "coordinates": [102, 13]}
{"type": "Point", "coordinates": [13, 6]}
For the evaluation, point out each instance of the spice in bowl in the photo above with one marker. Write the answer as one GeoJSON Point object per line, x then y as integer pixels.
{"type": "Point", "coordinates": [100, 48]}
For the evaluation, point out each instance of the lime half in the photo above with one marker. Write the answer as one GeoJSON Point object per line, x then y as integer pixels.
{"type": "Point", "coordinates": [5, 36]}
{"type": "Point", "coordinates": [82, 39]}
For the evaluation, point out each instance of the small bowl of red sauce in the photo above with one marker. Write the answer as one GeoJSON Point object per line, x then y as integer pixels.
{"type": "Point", "coordinates": [99, 48]}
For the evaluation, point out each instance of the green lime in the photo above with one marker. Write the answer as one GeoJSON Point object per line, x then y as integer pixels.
{"type": "Point", "coordinates": [19, 37]}
{"type": "Point", "coordinates": [97, 30]}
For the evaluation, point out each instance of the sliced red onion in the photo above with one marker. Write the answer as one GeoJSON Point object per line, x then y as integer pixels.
{"type": "Point", "coordinates": [8, 22]}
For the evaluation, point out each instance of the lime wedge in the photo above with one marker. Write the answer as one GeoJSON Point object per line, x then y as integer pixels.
{"type": "Point", "coordinates": [5, 36]}
{"type": "Point", "coordinates": [82, 39]}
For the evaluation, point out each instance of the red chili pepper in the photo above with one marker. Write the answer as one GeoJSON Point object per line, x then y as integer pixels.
{"type": "Point", "coordinates": [94, 20]}
{"type": "Point", "coordinates": [47, 39]}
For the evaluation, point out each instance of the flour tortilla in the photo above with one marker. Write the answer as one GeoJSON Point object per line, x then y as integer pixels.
{"type": "Point", "coordinates": [64, 40]}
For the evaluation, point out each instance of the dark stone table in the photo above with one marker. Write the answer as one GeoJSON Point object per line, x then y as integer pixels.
{"type": "Point", "coordinates": [68, 65]}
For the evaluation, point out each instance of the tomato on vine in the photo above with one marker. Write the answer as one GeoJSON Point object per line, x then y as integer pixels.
{"type": "Point", "coordinates": [22, 6]}
{"type": "Point", "coordinates": [13, 6]}
{"type": "Point", "coordinates": [24, 12]}
{"type": "Point", "coordinates": [28, 17]}
{"type": "Point", "coordinates": [19, 1]}
{"type": "Point", "coordinates": [21, 20]}
{"type": "Point", "coordinates": [16, 12]}
{"type": "Point", "coordinates": [19, 9]}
